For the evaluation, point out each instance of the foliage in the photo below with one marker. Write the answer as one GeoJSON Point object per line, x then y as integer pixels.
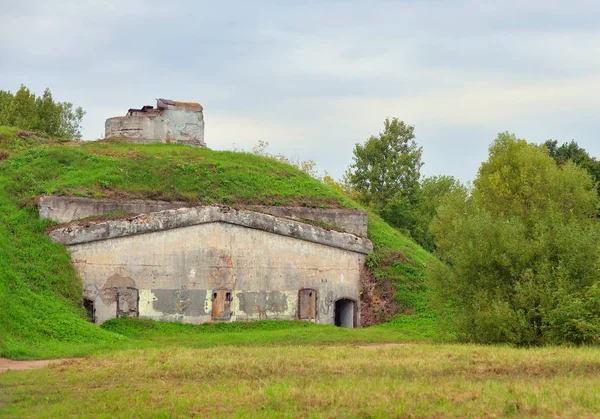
{"type": "Point", "coordinates": [573, 153]}
{"type": "Point", "coordinates": [576, 317]}
{"type": "Point", "coordinates": [387, 167]}
{"type": "Point", "coordinates": [432, 192]}
{"type": "Point", "coordinates": [520, 244]}
{"type": "Point", "coordinates": [385, 176]}
{"type": "Point", "coordinates": [307, 166]}
{"type": "Point", "coordinates": [42, 114]}
{"type": "Point", "coordinates": [401, 262]}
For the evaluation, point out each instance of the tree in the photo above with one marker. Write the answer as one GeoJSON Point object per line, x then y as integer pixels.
{"type": "Point", "coordinates": [307, 166]}
{"type": "Point", "coordinates": [387, 168]}
{"type": "Point", "coordinates": [517, 246]}
{"type": "Point", "coordinates": [42, 114]}
{"type": "Point", "coordinates": [432, 193]}
{"type": "Point", "coordinates": [49, 115]}
{"type": "Point", "coordinates": [21, 111]}
{"type": "Point", "coordinates": [573, 153]}
{"type": "Point", "coordinates": [5, 100]}
{"type": "Point", "coordinates": [71, 119]}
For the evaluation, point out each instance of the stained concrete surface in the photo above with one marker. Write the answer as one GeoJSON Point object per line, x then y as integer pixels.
{"type": "Point", "coordinates": [173, 262]}
{"type": "Point", "coordinates": [63, 209]}
{"type": "Point", "coordinates": [78, 233]}
{"type": "Point", "coordinates": [172, 122]}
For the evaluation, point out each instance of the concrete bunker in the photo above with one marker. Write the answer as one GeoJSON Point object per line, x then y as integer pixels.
{"type": "Point", "coordinates": [346, 312]}
{"type": "Point", "coordinates": [214, 264]}
{"type": "Point", "coordinates": [170, 122]}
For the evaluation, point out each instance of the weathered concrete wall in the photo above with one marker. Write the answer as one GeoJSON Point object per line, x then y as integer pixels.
{"type": "Point", "coordinates": [177, 271]}
{"type": "Point", "coordinates": [171, 265]}
{"type": "Point", "coordinates": [138, 128]}
{"type": "Point", "coordinates": [64, 209]}
{"type": "Point", "coordinates": [350, 220]}
{"type": "Point", "coordinates": [88, 231]}
{"type": "Point", "coordinates": [184, 126]}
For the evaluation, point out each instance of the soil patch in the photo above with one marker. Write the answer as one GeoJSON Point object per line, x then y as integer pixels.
{"type": "Point", "coordinates": [382, 345]}
{"type": "Point", "coordinates": [11, 365]}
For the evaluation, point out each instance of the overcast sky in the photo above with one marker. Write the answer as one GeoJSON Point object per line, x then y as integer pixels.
{"type": "Point", "coordinates": [313, 78]}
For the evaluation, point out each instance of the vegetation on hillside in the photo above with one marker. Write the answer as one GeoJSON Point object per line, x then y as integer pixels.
{"type": "Point", "coordinates": [26, 111]}
{"type": "Point", "coordinates": [386, 176]}
{"type": "Point", "coordinates": [33, 166]}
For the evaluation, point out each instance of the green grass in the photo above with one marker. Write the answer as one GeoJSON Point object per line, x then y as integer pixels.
{"type": "Point", "coordinates": [142, 332]}
{"type": "Point", "coordinates": [320, 379]}
{"type": "Point", "coordinates": [39, 291]}
{"type": "Point", "coordinates": [41, 314]}
{"type": "Point", "coordinates": [162, 171]}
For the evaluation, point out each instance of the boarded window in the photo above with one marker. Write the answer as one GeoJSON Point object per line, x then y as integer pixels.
{"type": "Point", "coordinates": [127, 302]}
{"type": "Point", "coordinates": [221, 305]}
{"type": "Point", "coordinates": [307, 304]}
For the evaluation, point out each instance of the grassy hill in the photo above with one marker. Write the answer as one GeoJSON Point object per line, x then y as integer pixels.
{"type": "Point", "coordinates": [41, 313]}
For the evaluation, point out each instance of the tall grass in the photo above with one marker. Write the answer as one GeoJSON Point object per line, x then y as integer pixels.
{"type": "Point", "coordinates": [410, 380]}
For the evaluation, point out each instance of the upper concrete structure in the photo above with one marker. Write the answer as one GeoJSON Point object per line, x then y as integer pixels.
{"type": "Point", "coordinates": [216, 263]}
{"type": "Point", "coordinates": [90, 231]}
{"type": "Point", "coordinates": [63, 209]}
{"type": "Point", "coordinates": [169, 122]}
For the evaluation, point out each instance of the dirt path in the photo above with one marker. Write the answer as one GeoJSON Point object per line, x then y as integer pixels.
{"type": "Point", "coordinates": [10, 365]}
{"type": "Point", "coordinates": [382, 345]}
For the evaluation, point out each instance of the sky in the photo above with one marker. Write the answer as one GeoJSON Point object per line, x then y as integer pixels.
{"type": "Point", "coordinates": [313, 78]}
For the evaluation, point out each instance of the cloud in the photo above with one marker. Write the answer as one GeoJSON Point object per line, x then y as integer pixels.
{"type": "Point", "coordinates": [315, 77]}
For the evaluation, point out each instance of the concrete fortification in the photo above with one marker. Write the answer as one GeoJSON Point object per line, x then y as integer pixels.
{"type": "Point", "coordinates": [181, 261]}
{"type": "Point", "coordinates": [213, 263]}
{"type": "Point", "coordinates": [169, 122]}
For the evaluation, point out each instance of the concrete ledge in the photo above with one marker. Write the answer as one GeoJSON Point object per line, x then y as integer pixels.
{"type": "Point", "coordinates": [64, 209]}
{"type": "Point", "coordinates": [350, 220]}
{"type": "Point", "coordinates": [85, 232]}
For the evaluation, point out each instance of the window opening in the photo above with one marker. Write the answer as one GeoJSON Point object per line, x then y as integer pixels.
{"type": "Point", "coordinates": [221, 305]}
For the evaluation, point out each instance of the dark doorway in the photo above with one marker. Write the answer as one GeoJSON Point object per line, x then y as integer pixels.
{"type": "Point", "coordinates": [307, 304]}
{"type": "Point", "coordinates": [89, 308]}
{"type": "Point", "coordinates": [221, 304]}
{"type": "Point", "coordinates": [127, 302]}
{"type": "Point", "coordinates": [345, 313]}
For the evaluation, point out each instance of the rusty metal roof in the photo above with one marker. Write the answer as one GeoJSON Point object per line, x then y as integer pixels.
{"type": "Point", "coordinates": [164, 102]}
{"type": "Point", "coordinates": [192, 104]}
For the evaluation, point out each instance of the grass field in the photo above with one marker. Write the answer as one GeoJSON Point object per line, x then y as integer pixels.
{"type": "Point", "coordinates": [293, 369]}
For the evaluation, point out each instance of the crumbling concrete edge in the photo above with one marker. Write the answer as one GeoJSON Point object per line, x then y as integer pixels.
{"type": "Point", "coordinates": [85, 232]}
{"type": "Point", "coordinates": [64, 209]}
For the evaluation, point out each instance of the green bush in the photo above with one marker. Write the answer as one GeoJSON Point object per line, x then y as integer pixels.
{"type": "Point", "coordinates": [520, 249]}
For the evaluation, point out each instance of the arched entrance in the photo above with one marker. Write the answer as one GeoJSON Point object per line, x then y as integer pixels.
{"type": "Point", "coordinates": [345, 313]}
